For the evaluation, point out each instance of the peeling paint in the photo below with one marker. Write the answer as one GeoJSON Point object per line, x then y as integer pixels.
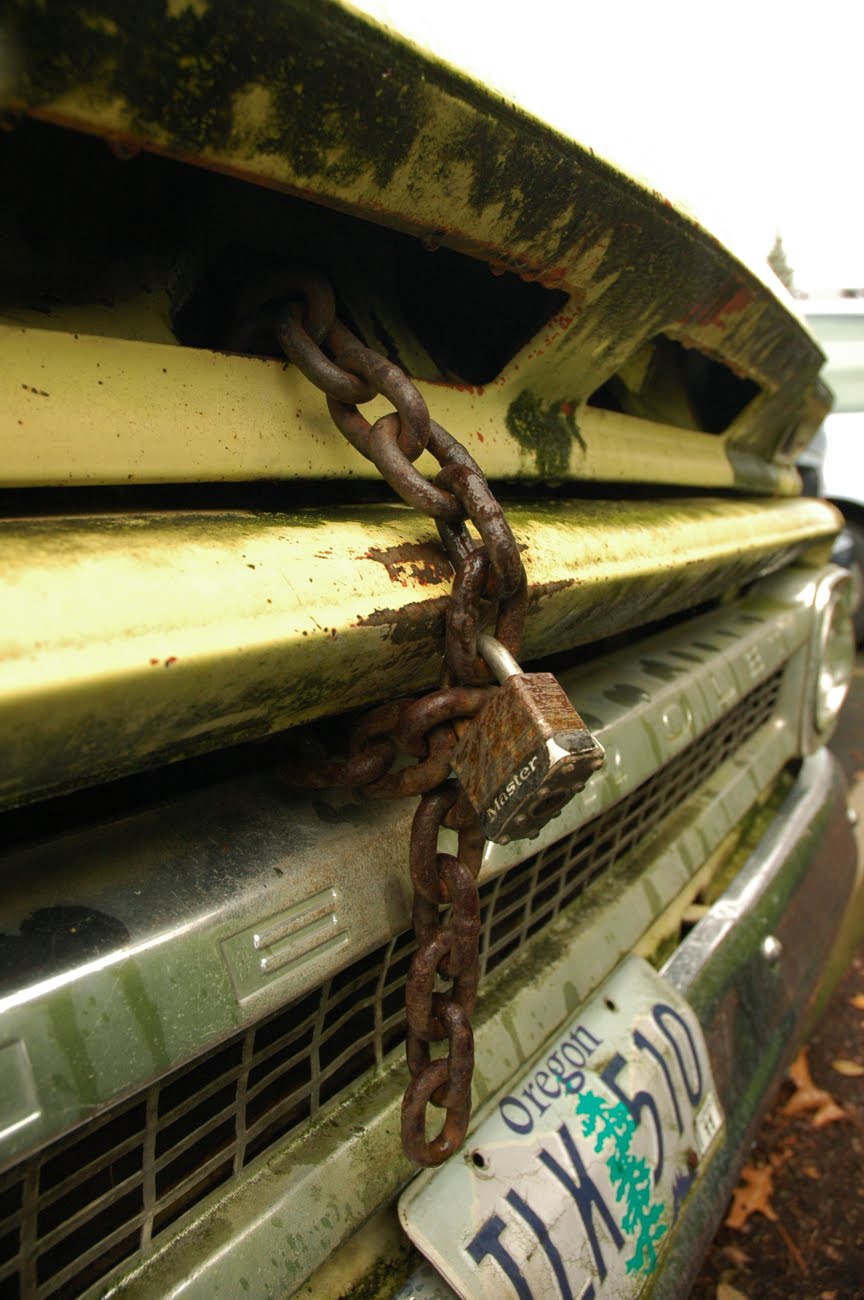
{"type": "Point", "coordinates": [541, 591]}
{"type": "Point", "coordinates": [420, 562]}
{"type": "Point", "coordinates": [415, 622]}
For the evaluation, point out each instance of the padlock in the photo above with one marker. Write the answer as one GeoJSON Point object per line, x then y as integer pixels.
{"type": "Point", "coordinates": [525, 755]}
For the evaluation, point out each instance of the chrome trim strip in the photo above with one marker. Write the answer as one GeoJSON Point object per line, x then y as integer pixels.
{"type": "Point", "coordinates": [745, 895]}
{"type": "Point", "coordinates": [754, 968]}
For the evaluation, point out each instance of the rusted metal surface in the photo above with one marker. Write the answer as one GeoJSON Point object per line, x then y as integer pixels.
{"type": "Point", "coordinates": [412, 562]}
{"type": "Point", "coordinates": [415, 728]}
{"type": "Point", "coordinates": [525, 756]}
{"type": "Point", "coordinates": [448, 162]}
{"type": "Point", "coordinates": [446, 948]}
{"type": "Point", "coordinates": [486, 573]}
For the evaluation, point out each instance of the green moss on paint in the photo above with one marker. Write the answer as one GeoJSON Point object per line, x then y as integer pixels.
{"type": "Point", "coordinates": [182, 69]}
{"type": "Point", "coordinates": [384, 1278]}
{"type": "Point", "coordinates": [546, 432]}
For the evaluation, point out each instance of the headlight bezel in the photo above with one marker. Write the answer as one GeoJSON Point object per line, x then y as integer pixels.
{"type": "Point", "coordinates": [831, 658]}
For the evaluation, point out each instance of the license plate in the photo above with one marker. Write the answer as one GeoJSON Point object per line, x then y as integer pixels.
{"type": "Point", "coordinates": [571, 1185]}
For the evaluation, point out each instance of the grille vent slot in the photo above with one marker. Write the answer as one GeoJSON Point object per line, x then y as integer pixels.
{"type": "Point", "coordinates": [676, 384]}
{"type": "Point", "coordinates": [72, 1212]}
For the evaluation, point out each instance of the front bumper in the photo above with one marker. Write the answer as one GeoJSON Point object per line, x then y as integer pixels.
{"type": "Point", "coordinates": [801, 888]}
{"type": "Point", "coordinates": [753, 969]}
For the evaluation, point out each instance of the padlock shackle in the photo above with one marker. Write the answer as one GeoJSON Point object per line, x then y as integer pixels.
{"type": "Point", "coordinates": [497, 657]}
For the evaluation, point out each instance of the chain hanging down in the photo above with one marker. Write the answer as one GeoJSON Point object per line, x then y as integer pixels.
{"type": "Point", "coordinates": [446, 911]}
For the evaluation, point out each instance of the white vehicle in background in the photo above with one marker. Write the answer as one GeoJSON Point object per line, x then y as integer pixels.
{"type": "Point", "coordinates": [834, 462]}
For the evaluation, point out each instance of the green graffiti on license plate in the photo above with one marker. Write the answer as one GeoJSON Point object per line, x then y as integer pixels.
{"type": "Point", "coordinates": [613, 1127]}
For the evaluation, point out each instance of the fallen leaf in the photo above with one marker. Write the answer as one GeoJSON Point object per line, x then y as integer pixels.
{"type": "Point", "coordinates": [811, 1171]}
{"type": "Point", "coordinates": [857, 1001]}
{"type": "Point", "coordinates": [727, 1292]}
{"type": "Point", "coordinates": [827, 1295]}
{"type": "Point", "coordinates": [850, 1068]}
{"type": "Point", "coordinates": [752, 1196]}
{"type": "Point", "coordinates": [808, 1097]}
{"type": "Point", "coordinates": [799, 1070]}
{"type": "Point", "coordinates": [828, 1114]}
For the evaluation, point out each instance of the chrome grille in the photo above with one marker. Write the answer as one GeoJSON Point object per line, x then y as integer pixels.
{"type": "Point", "coordinates": [72, 1212]}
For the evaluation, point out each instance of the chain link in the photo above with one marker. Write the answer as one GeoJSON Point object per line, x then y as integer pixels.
{"type": "Point", "coordinates": [489, 580]}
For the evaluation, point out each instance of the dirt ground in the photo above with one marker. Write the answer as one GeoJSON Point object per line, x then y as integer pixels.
{"type": "Point", "coordinates": [795, 1227]}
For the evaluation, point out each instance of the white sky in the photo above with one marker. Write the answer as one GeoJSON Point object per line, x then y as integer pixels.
{"type": "Point", "coordinates": [751, 115]}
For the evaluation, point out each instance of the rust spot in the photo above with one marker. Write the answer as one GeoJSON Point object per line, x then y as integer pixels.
{"type": "Point", "coordinates": [170, 661]}
{"type": "Point", "coordinates": [423, 563]}
{"type": "Point", "coordinates": [739, 302]}
{"type": "Point", "coordinates": [153, 663]}
{"type": "Point", "coordinates": [539, 591]}
{"type": "Point", "coordinates": [419, 620]}
{"type": "Point", "coordinates": [718, 311]}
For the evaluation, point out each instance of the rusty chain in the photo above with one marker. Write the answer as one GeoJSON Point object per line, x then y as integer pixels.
{"type": "Point", "coordinates": [442, 982]}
